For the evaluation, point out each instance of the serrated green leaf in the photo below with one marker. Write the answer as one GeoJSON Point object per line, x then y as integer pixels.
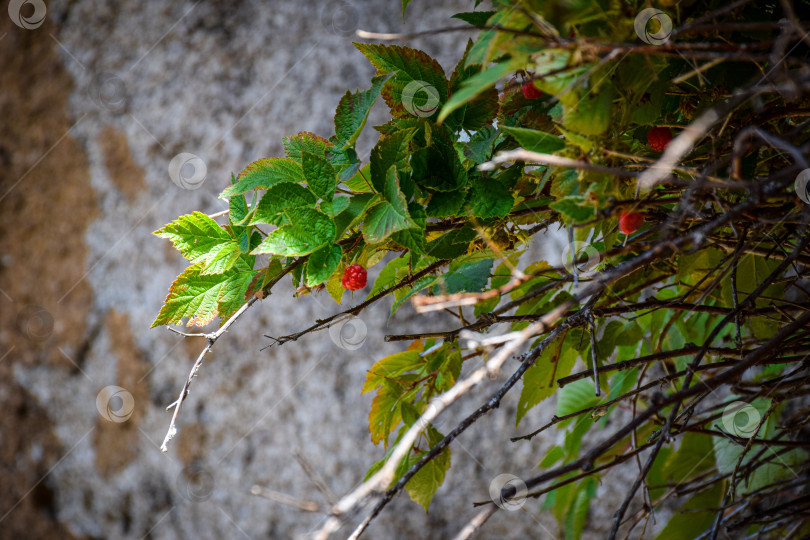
{"type": "Point", "coordinates": [279, 198]}
{"type": "Point", "coordinates": [489, 198]}
{"type": "Point", "coordinates": [264, 173]}
{"type": "Point", "coordinates": [304, 141]}
{"type": "Point", "coordinates": [438, 168]}
{"type": "Point", "coordinates": [385, 414]}
{"type": "Point", "coordinates": [408, 65]}
{"type": "Point", "coordinates": [322, 263]}
{"type": "Point", "coordinates": [320, 175]}
{"type": "Point", "coordinates": [424, 484]}
{"type": "Point", "coordinates": [695, 455]}
{"type": "Point", "coordinates": [540, 380]}
{"type": "Point", "coordinates": [309, 229]}
{"type": "Point", "coordinates": [334, 285]}
{"type": "Point", "coordinates": [221, 258]}
{"type": "Point", "coordinates": [390, 150]}
{"type": "Point", "coordinates": [413, 238]}
{"type": "Point", "coordinates": [237, 211]}
{"type": "Point", "coordinates": [388, 216]}
{"type": "Point", "coordinates": [475, 18]}
{"type": "Point", "coordinates": [194, 235]}
{"type": "Point", "coordinates": [577, 208]}
{"type": "Point", "coordinates": [382, 221]}
{"type": "Point", "coordinates": [334, 207]}
{"type": "Point", "coordinates": [578, 512]}
{"type": "Point", "coordinates": [233, 293]}
{"type": "Point", "coordinates": [203, 297]}
{"type": "Point", "coordinates": [694, 517]}
{"type": "Point", "coordinates": [475, 86]}
{"type": "Point", "coordinates": [361, 181]}
{"type": "Point", "coordinates": [351, 215]}
{"type": "Point", "coordinates": [392, 366]}
{"type": "Point", "coordinates": [352, 112]}
{"type": "Point", "coordinates": [445, 203]}
{"type": "Point", "coordinates": [590, 115]}
{"type": "Point", "coordinates": [451, 244]}
{"type": "Point", "coordinates": [535, 140]}
{"type": "Point", "coordinates": [471, 277]}
{"type": "Point", "coordinates": [406, 292]}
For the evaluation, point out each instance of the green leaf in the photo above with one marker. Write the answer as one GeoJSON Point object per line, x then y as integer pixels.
{"type": "Point", "coordinates": [540, 380]}
{"type": "Point", "coordinates": [194, 235]}
{"type": "Point", "coordinates": [322, 263]}
{"type": "Point", "coordinates": [221, 258]}
{"type": "Point", "coordinates": [575, 397]}
{"type": "Point", "coordinates": [234, 293]}
{"type": "Point", "coordinates": [471, 277]}
{"type": "Point", "coordinates": [385, 412]}
{"type": "Point", "coordinates": [413, 238]}
{"type": "Point", "coordinates": [408, 65]}
{"type": "Point", "coordinates": [405, 293]}
{"type": "Point", "coordinates": [489, 198]}
{"type": "Point", "coordinates": [424, 484]}
{"type": "Point", "coordinates": [390, 215]}
{"type": "Point", "coordinates": [350, 215]}
{"type": "Point", "coordinates": [409, 413]}
{"type": "Point", "coordinates": [577, 208]}
{"type": "Point", "coordinates": [320, 175]}
{"type": "Point", "coordinates": [534, 140]}
{"type": "Point", "coordinates": [361, 181]}
{"type": "Point", "coordinates": [479, 149]}
{"type": "Point", "coordinates": [695, 455]}
{"type": "Point", "coordinates": [352, 112]}
{"type": "Point", "coordinates": [390, 150]}
{"type": "Point", "coordinates": [590, 115]}
{"type": "Point", "coordinates": [309, 230]}
{"type": "Point", "coordinates": [474, 86]}
{"type": "Point", "coordinates": [445, 204]}
{"type": "Point", "coordinates": [392, 366]}
{"type": "Point", "coordinates": [295, 145]}
{"type": "Point", "coordinates": [694, 517]}
{"type": "Point", "coordinates": [237, 211]}
{"type": "Point", "coordinates": [578, 512]}
{"type": "Point", "coordinates": [279, 198]}
{"type": "Point", "coordinates": [479, 111]}
{"type": "Point", "coordinates": [203, 297]}
{"type": "Point", "coordinates": [264, 173]}
{"type": "Point", "coordinates": [553, 456]}
{"type": "Point", "coordinates": [475, 18]}
{"type": "Point", "coordinates": [451, 244]}
{"type": "Point", "coordinates": [335, 206]}
{"type": "Point", "coordinates": [438, 168]}
{"type": "Point", "coordinates": [382, 221]}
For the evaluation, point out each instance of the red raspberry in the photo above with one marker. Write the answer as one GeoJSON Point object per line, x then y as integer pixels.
{"type": "Point", "coordinates": [530, 91]}
{"type": "Point", "coordinates": [354, 277]}
{"type": "Point", "coordinates": [658, 138]}
{"type": "Point", "coordinates": [629, 222]}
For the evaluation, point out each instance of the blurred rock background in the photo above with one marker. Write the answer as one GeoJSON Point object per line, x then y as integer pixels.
{"type": "Point", "coordinates": [97, 98]}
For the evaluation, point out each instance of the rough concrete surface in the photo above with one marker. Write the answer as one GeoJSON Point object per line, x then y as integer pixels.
{"type": "Point", "coordinates": [95, 103]}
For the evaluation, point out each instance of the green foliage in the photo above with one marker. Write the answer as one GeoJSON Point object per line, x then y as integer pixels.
{"type": "Point", "coordinates": [422, 198]}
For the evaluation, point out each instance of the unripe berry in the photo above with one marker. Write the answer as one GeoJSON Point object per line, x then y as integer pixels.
{"type": "Point", "coordinates": [629, 222]}
{"type": "Point", "coordinates": [658, 138]}
{"type": "Point", "coordinates": [354, 277]}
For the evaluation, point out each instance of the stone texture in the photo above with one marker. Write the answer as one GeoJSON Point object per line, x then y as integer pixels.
{"type": "Point", "coordinates": [95, 104]}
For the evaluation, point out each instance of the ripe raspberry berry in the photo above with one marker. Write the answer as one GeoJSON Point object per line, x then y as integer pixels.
{"type": "Point", "coordinates": [658, 138]}
{"type": "Point", "coordinates": [354, 277]}
{"type": "Point", "coordinates": [629, 222]}
{"type": "Point", "coordinates": [530, 91]}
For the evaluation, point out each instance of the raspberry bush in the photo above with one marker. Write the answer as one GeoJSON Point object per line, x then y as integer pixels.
{"type": "Point", "coordinates": [682, 351]}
